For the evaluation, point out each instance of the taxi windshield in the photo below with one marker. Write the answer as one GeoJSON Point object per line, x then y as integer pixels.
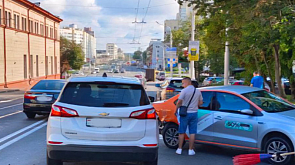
{"type": "Point", "coordinates": [269, 102]}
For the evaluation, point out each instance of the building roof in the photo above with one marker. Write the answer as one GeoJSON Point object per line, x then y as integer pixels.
{"type": "Point", "coordinates": [105, 79]}
{"type": "Point", "coordinates": [233, 88]}
{"type": "Point", "coordinates": [33, 6]}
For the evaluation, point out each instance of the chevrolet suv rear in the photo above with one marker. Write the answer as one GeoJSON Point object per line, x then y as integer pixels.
{"type": "Point", "coordinates": [102, 119]}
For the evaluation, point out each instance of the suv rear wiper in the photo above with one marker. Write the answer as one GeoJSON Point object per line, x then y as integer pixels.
{"type": "Point", "coordinates": [115, 105]}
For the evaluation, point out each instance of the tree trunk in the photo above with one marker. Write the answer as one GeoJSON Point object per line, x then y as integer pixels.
{"type": "Point", "coordinates": [272, 86]}
{"type": "Point", "coordinates": [278, 71]}
{"type": "Point", "coordinates": [292, 86]}
{"type": "Point", "coordinates": [257, 65]}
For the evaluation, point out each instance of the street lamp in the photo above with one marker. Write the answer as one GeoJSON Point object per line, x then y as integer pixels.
{"type": "Point", "coordinates": [171, 42]}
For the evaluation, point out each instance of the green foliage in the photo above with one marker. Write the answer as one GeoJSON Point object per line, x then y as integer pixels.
{"type": "Point", "coordinates": [137, 55]}
{"type": "Point", "coordinates": [71, 53]}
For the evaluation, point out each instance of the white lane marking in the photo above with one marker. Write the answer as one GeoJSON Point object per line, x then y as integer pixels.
{"type": "Point", "coordinates": [21, 136]}
{"type": "Point", "coordinates": [11, 106]}
{"type": "Point", "coordinates": [5, 101]}
{"type": "Point", "coordinates": [20, 131]}
{"type": "Point", "coordinates": [10, 114]}
{"type": "Point", "coordinates": [161, 137]}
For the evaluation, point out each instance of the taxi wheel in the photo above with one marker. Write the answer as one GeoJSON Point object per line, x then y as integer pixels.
{"type": "Point", "coordinates": [279, 145]}
{"type": "Point", "coordinates": [30, 115]}
{"type": "Point", "coordinates": [53, 161]}
{"type": "Point", "coordinates": [170, 136]}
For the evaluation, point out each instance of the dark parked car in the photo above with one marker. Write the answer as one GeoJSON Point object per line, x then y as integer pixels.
{"type": "Point", "coordinates": [171, 87]}
{"type": "Point", "coordinates": [40, 97]}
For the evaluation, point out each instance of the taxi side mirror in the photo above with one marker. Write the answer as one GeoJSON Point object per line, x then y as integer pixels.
{"type": "Point", "coordinates": [247, 111]}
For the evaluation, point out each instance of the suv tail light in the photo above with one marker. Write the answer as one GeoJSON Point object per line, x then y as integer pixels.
{"type": "Point", "coordinates": [168, 89]}
{"type": "Point", "coordinates": [29, 95]}
{"type": "Point", "coordinates": [144, 114]}
{"type": "Point", "coordinates": [63, 112]}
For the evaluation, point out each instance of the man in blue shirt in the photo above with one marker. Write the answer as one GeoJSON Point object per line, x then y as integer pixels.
{"type": "Point", "coordinates": [257, 81]}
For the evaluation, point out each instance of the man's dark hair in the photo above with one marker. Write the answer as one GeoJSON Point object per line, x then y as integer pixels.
{"type": "Point", "coordinates": [104, 75]}
{"type": "Point", "coordinates": [187, 78]}
{"type": "Point", "coordinates": [255, 72]}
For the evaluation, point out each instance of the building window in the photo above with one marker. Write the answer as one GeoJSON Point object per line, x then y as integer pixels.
{"type": "Point", "coordinates": [0, 17]}
{"type": "Point", "coordinates": [24, 24]}
{"type": "Point", "coordinates": [8, 19]}
{"type": "Point", "coordinates": [31, 66]}
{"type": "Point", "coordinates": [42, 29]}
{"type": "Point", "coordinates": [25, 67]}
{"type": "Point", "coordinates": [55, 65]}
{"type": "Point", "coordinates": [55, 33]}
{"type": "Point", "coordinates": [17, 20]}
{"type": "Point", "coordinates": [51, 32]}
{"type": "Point", "coordinates": [46, 32]}
{"type": "Point", "coordinates": [51, 65]}
{"type": "Point", "coordinates": [46, 66]}
{"type": "Point", "coordinates": [37, 66]}
{"type": "Point", "coordinates": [15, 23]}
{"type": "Point", "coordinates": [36, 27]}
{"type": "Point", "coordinates": [31, 26]}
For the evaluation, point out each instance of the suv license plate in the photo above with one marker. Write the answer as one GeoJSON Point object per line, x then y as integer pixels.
{"type": "Point", "coordinates": [103, 123]}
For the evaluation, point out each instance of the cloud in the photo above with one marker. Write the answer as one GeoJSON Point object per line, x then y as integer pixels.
{"type": "Point", "coordinates": [112, 19]}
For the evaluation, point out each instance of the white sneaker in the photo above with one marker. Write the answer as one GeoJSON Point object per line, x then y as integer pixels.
{"type": "Point", "coordinates": [191, 152]}
{"type": "Point", "coordinates": [178, 151]}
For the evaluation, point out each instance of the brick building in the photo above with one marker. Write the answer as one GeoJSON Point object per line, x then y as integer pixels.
{"type": "Point", "coordinates": [29, 44]}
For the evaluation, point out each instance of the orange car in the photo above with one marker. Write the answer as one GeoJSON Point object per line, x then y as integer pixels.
{"type": "Point", "coordinates": [232, 116]}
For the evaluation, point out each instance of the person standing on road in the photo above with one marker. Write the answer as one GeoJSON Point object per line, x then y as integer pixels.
{"type": "Point", "coordinates": [192, 98]}
{"type": "Point", "coordinates": [257, 80]}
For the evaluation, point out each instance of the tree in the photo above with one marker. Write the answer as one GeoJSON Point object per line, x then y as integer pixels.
{"type": "Point", "coordinates": [71, 53]}
{"type": "Point", "coordinates": [137, 55]}
{"type": "Point", "coordinates": [144, 56]}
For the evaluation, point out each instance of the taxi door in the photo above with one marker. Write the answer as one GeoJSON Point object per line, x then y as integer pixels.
{"type": "Point", "coordinates": [231, 127]}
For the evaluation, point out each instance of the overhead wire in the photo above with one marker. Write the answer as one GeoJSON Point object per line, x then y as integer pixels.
{"type": "Point", "coordinates": [144, 20]}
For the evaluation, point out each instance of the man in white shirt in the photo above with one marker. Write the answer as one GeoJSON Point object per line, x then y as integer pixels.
{"type": "Point", "coordinates": [191, 120]}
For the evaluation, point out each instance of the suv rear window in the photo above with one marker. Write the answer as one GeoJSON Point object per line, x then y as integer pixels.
{"type": "Point", "coordinates": [176, 84]}
{"type": "Point", "coordinates": [49, 85]}
{"type": "Point", "coordinates": [104, 94]}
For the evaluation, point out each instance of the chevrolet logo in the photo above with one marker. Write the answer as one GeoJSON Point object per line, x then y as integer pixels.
{"type": "Point", "coordinates": [104, 114]}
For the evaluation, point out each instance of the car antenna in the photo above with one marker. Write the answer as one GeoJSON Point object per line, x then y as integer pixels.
{"type": "Point", "coordinates": [104, 75]}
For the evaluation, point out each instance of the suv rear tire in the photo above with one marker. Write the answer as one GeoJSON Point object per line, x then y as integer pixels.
{"type": "Point", "coordinates": [170, 136]}
{"type": "Point", "coordinates": [30, 115]}
{"type": "Point", "coordinates": [53, 161]}
{"type": "Point", "coordinates": [280, 144]}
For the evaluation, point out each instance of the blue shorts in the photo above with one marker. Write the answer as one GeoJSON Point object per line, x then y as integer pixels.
{"type": "Point", "coordinates": [190, 121]}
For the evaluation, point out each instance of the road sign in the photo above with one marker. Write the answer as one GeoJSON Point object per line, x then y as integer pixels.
{"type": "Point", "coordinates": [194, 50]}
{"type": "Point", "coordinates": [171, 53]}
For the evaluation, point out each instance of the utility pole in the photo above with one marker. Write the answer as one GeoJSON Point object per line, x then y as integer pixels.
{"type": "Point", "coordinates": [226, 59]}
{"type": "Point", "coordinates": [192, 63]}
{"type": "Point", "coordinates": [171, 60]}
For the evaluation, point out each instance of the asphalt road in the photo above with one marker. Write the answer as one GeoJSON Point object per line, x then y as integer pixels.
{"type": "Point", "coordinates": [23, 141]}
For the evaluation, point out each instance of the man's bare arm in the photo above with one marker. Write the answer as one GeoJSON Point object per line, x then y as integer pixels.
{"type": "Point", "coordinates": [179, 103]}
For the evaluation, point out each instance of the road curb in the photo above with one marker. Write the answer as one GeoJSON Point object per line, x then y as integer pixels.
{"type": "Point", "coordinates": [7, 91]}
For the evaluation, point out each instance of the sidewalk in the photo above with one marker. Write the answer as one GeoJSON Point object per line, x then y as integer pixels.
{"type": "Point", "coordinates": [7, 90]}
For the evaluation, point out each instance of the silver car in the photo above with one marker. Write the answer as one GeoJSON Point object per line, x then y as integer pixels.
{"type": "Point", "coordinates": [240, 117]}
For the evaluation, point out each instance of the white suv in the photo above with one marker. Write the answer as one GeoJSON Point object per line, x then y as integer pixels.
{"type": "Point", "coordinates": [102, 119]}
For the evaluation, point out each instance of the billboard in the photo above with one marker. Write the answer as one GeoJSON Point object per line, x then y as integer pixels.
{"type": "Point", "coordinates": [194, 51]}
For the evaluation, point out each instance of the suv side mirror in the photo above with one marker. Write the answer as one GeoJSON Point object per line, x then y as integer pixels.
{"type": "Point", "coordinates": [247, 111]}
{"type": "Point", "coordinates": [152, 99]}
{"type": "Point", "coordinates": [158, 85]}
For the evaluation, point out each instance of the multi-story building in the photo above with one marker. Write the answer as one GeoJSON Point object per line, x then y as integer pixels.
{"type": "Point", "coordinates": [173, 24]}
{"type": "Point", "coordinates": [121, 54]}
{"type": "Point", "coordinates": [156, 50]}
{"type": "Point", "coordinates": [112, 50]}
{"type": "Point", "coordinates": [185, 11]}
{"type": "Point", "coordinates": [29, 44]}
{"type": "Point", "coordinates": [84, 37]}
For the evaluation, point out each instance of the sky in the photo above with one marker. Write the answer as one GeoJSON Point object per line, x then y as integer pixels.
{"type": "Point", "coordinates": [112, 20]}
